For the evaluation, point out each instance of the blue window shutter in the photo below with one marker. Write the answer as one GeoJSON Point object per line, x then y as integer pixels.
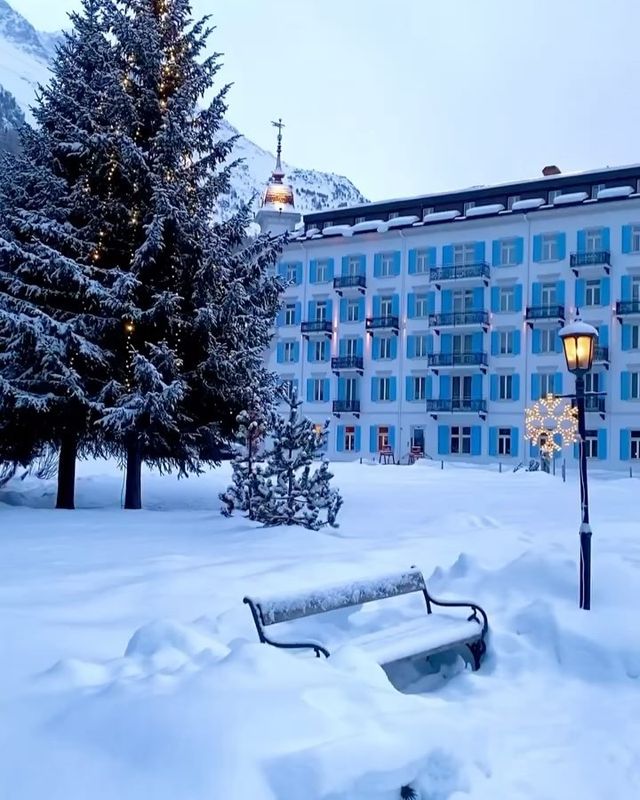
{"type": "Point", "coordinates": [625, 444]}
{"type": "Point", "coordinates": [340, 438]}
{"type": "Point", "coordinates": [560, 292]}
{"type": "Point", "coordinates": [311, 309]}
{"type": "Point", "coordinates": [557, 383]}
{"type": "Point", "coordinates": [397, 260]}
{"type": "Point", "coordinates": [341, 388]}
{"type": "Point", "coordinates": [445, 387]}
{"type": "Point", "coordinates": [606, 239]}
{"type": "Point", "coordinates": [626, 337]}
{"type": "Point", "coordinates": [576, 450]}
{"type": "Point", "coordinates": [296, 351]}
{"type": "Point", "coordinates": [298, 313]}
{"type": "Point", "coordinates": [443, 440]}
{"type": "Point", "coordinates": [342, 347]}
{"type": "Point", "coordinates": [535, 386]}
{"type": "Point", "coordinates": [375, 392]}
{"type": "Point", "coordinates": [280, 318]}
{"type": "Point", "coordinates": [493, 387]}
{"type": "Point", "coordinates": [431, 302]}
{"type": "Point", "coordinates": [534, 450]}
{"type": "Point", "coordinates": [393, 388]}
{"type": "Point", "coordinates": [478, 298]}
{"type": "Point", "coordinates": [625, 385]}
{"type": "Point", "coordinates": [330, 310]}
{"type": "Point", "coordinates": [309, 389]}
{"type": "Point", "coordinates": [495, 298]}
{"type": "Point", "coordinates": [476, 440]}
{"type": "Point", "coordinates": [515, 436]}
{"type": "Point", "coordinates": [447, 255]}
{"type": "Point", "coordinates": [518, 297]}
{"type": "Point", "coordinates": [536, 293]}
{"type": "Point", "coordinates": [326, 390]}
{"type": "Point", "coordinates": [536, 335]}
{"type": "Point", "coordinates": [605, 291]}
{"type": "Point", "coordinates": [412, 262]}
{"type": "Point", "coordinates": [373, 438]}
{"type": "Point", "coordinates": [298, 273]}
{"type": "Point", "coordinates": [360, 346]}
{"type": "Point", "coordinates": [408, 388]}
{"type": "Point", "coordinates": [411, 305]}
{"type": "Point", "coordinates": [626, 287]}
{"type": "Point", "coordinates": [432, 255]}
{"type": "Point", "coordinates": [310, 350]}
{"type": "Point", "coordinates": [395, 305]}
{"type": "Point", "coordinates": [429, 387]}
{"type": "Point", "coordinates": [603, 381]}
{"type": "Point", "coordinates": [626, 238]}
{"type": "Point", "coordinates": [429, 343]}
{"type": "Point", "coordinates": [562, 246]}
{"type": "Point", "coordinates": [280, 353]}
{"type": "Point", "coordinates": [558, 343]}
{"type": "Point", "coordinates": [479, 254]}
{"type": "Point", "coordinates": [375, 348]}
{"type": "Point", "coordinates": [476, 387]}
{"type": "Point", "coordinates": [345, 266]}
{"type": "Point", "coordinates": [477, 341]}
{"type": "Point", "coordinates": [602, 444]}
{"type": "Point", "coordinates": [282, 270]}
{"type": "Point", "coordinates": [580, 291]}
{"type": "Point", "coordinates": [517, 336]}
{"type": "Point", "coordinates": [446, 301]}
{"type": "Point", "coordinates": [330, 269]}
{"type": "Point", "coordinates": [603, 335]}
{"type": "Point", "coordinates": [519, 250]}
{"type": "Point", "coordinates": [411, 346]}
{"type": "Point", "coordinates": [392, 436]}
{"type": "Point", "coordinates": [446, 343]}
{"type": "Point", "coordinates": [493, 441]}
{"type": "Point", "coordinates": [516, 387]}
{"type": "Point", "coordinates": [358, 437]}
{"type": "Point", "coordinates": [377, 265]}
{"type": "Point", "coordinates": [537, 247]}
{"type": "Point", "coordinates": [361, 308]}
{"type": "Point", "coordinates": [394, 347]}
{"type": "Point", "coordinates": [495, 247]}
{"type": "Point", "coordinates": [313, 270]}
{"type": "Point", "coordinates": [495, 343]}
{"type": "Point", "coordinates": [376, 305]}
{"type": "Point", "coordinates": [582, 238]}
{"type": "Point", "coordinates": [344, 304]}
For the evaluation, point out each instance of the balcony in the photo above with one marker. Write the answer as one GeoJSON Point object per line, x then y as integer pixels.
{"type": "Point", "coordinates": [544, 313]}
{"type": "Point", "coordinates": [382, 324]}
{"type": "Point", "coordinates": [440, 360]}
{"type": "Point", "coordinates": [459, 319]}
{"type": "Point", "coordinates": [593, 403]}
{"type": "Point", "coordinates": [628, 308]}
{"type": "Point", "coordinates": [357, 283]}
{"type": "Point", "coordinates": [461, 272]}
{"type": "Point", "coordinates": [347, 364]}
{"type": "Point", "coordinates": [600, 354]}
{"type": "Point", "coordinates": [458, 405]}
{"type": "Point", "coordinates": [315, 327]}
{"type": "Point", "coordinates": [346, 407]}
{"type": "Point", "coordinates": [598, 258]}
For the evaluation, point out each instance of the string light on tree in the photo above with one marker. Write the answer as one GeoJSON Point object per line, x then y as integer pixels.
{"type": "Point", "coordinates": [551, 423]}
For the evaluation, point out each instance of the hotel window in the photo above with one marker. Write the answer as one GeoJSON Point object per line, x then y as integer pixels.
{"type": "Point", "coordinates": [505, 343]}
{"type": "Point", "coordinates": [350, 438]}
{"type": "Point", "coordinates": [504, 441]}
{"type": "Point", "coordinates": [289, 351]}
{"type": "Point", "coordinates": [386, 265]}
{"type": "Point", "coordinates": [353, 265]}
{"type": "Point", "coordinates": [318, 390]}
{"type": "Point", "coordinates": [508, 252]}
{"type": "Point", "coordinates": [290, 314]}
{"type": "Point", "coordinates": [327, 224]}
{"type": "Point", "coordinates": [592, 293]}
{"type": "Point", "coordinates": [358, 220]}
{"type": "Point", "coordinates": [547, 381]}
{"type": "Point", "coordinates": [320, 350]}
{"type": "Point", "coordinates": [597, 187]}
{"type": "Point", "coordinates": [548, 294]}
{"type": "Point", "coordinates": [550, 249]}
{"type": "Point", "coordinates": [592, 382]}
{"type": "Point", "coordinates": [460, 439]}
{"type": "Point", "coordinates": [385, 347]}
{"type": "Point", "coordinates": [635, 445]}
{"type": "Point", "coordinates": [394, 214]}
{"type": "Point", "coordinates": [507, 298]}
{"type": "Point", "coordinates": [422, 262]}
{"type": "Point", "coordinates": [635, 288]}
{"type": "Point", "coordinates": [350, 390]}
{"type": "Point", "coordinates": [634, 338]}
{"type": "Point", "coordinates": [384, 389]}
{"type": "Point", "coordinates": [386, 306]}
{"type": "Point", "coordinates": [591, 444]}
{"type": "Point", "coordinates": [351, 347]}
{"type": "Point", "coordinates": [635, 238]}
{"type": "Point", "coordinates": [420, 387]}
{"type": "Point", "coordinates": [321, 311]}
{"type": "Point", "coordinates": [353, 311]}
{"type": "Point", "coordinates": [548, 340]}
{"type": "Point", "coordinates": [593, 240]}
{"type": "Point", "coordinates": [469, 205]}
{"type": "Point", "coordinates": [463, 254]}
{"type": "Point", "coordinates": [462, 301]}
{"type": "Point", "coordinates": [383, 437]}
{"type": "Point", "coordinates": [422, 305]}
{"type": "Point", "coordinates": [634, 389]}
{"type": "Point", "coordinates": [553, 193]}
{"type": "Point", "coordinates": [513, 198]}
{"type": "Point", "coordinates": [292, 273]}
{"type": "Point", "coordinates": [322, 271]}
{"type": "Point", "coordinates": [287, 386]}
{"type": "Point", "coordinates": [428, 210]}
{"type": "Point", "coordinates": [505, 387]}
{"type": "Point", "coordinates": [422, 346]}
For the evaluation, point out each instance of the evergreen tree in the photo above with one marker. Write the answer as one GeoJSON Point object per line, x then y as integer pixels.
{"type": "Point", "coordinates": [292, 493]}
{"type": "Point", "coordinates": [247, 472]}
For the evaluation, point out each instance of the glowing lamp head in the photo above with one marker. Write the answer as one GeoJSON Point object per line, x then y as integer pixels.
{"type": "Point", "coordinates": [578, 341]}
{"type": "Point", "coordinates": [129, 327]}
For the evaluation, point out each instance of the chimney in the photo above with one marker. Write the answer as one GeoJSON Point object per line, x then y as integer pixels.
{"type": "Point", "coordinates": [550, 170]}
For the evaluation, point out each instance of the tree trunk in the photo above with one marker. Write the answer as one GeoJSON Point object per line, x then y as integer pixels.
{"type": "Point", "coordinates": [67, 473]}
{"type": "Point", "coordinates": [133, 489]}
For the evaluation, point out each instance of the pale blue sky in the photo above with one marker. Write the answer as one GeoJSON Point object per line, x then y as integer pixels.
{"type": "Point", "coordinates": [427, 95]}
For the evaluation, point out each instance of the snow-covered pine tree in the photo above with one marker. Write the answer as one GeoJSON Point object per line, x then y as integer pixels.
{"type": "Point", "coordinates": [247, 473]}
{"type": "Point", "coordinates": [292, 493]}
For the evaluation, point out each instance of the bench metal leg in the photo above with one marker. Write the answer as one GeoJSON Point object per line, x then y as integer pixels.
{"type": "Point", "coordinates": [477, 650]}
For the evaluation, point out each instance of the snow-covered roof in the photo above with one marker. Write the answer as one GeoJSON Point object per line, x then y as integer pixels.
{"type": "Point", "coordinates": [337, 230]}
{"type": "Point", "coordinates": [399, 222]}
{"type": "Point", "coordinates": [368, 225]}
{"type": "Point", "coordinates": [481, 211]}
{"type": "Point", "coordinates": [572, 197]}
{"type": "Point", "coordinates": [441, 216]}
{"type": "Point", "coordinates": [523, 205]}
{"type": "Point", "coordinates": [615, 191]}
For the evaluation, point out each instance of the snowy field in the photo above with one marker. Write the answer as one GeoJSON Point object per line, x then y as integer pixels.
{"type": "Point", "coordinates": [130, 670]}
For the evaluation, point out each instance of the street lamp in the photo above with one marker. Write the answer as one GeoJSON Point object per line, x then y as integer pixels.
{"type": "Point", "coordinates": [578, 341]}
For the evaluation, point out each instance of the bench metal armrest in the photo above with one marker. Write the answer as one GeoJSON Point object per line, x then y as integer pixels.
{"type": "Point", "coordinates": [315, 646]}
{"type": "Point", "coordinates": [476, 611]}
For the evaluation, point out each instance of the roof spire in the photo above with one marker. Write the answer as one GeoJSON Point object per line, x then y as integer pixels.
{"type": "Point", "coordinates": [278, 194]}
{"type": "Point", "coordinates": [278, 172]}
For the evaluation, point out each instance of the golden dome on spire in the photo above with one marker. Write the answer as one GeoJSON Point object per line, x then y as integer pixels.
{"type": "Point", "coordinates": [278, 195]}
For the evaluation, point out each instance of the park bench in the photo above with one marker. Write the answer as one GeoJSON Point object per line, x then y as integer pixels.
{"type": "Point", "coordinates": [415, 453]}
{"type": "Point", "coordinates": [386, 456]}
{"type": "Point", "coordinates": [426, 635]}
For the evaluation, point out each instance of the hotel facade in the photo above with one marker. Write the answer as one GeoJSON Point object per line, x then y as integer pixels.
{"type": "Point", "coordinates": [432, 322]}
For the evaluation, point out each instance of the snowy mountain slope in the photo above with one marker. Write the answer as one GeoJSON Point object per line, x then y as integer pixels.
{"type": "Point", "coordinates": [24, 57]}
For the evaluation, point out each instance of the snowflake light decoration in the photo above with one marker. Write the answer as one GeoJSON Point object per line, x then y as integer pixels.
{"type": "Point", "coordinates": [548, 419]}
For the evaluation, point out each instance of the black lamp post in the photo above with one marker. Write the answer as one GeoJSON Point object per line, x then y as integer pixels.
{"type": "Point", "coordinates": [578, 340]}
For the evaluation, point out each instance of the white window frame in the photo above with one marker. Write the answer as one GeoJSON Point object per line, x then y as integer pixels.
{"type": "Point", "coordinates": [321, 311]}
{"type": "Point", "coordinates": [394, 214]}
{"type": "Point", "coordinates": [322, 271]}
{"type": "Point", "coordinates": [592, 382]}
{"type": "Point", "coordinates": [508, 252]}
{"type": "Point", "coordinates": [358, 220]}
{"type": "Point", "coordinates": [386, 265]}
{"type": "Point", "coordinates": [635, 238]}
{"type": "Point", "coordinates": [288, 352]}
{"type": "Point", "coordinates": [593, 238]}
{"type": "Point", "coordinates": [292, 273]}
{"type": "Point", "coordinates": [385, 348]}
{"type": "Point", "coordinates": [318, 391]}
{"type": "Point", "coordinates": [505, 343]}
{"type": "Point", "coordinates": [550, 250]}
{"type": "Point", "coordinates": [547, 380]}
{"type": "Point", "coordinates": [319, 350]}
{"type": "Point", "coordinates": [548, 340]}
{"type": "Point", "coordinates": [290, 314]}
{"type": "Point", "coordinates": [383, 437]}
{"type": "Point", "coordinates": [592, 295]}
{"type": "Point", "coordinates": [507, 298]}
{"type": "Point", "coordinates": [504, 441]}
{"type": "Point", "coordinates": [591, 444]}
{"type": "Point", "coordinates": [634, 385]}
{"type": "Point", "coordinates": [464, 253]}
{"type": "Point", "coordinates": [634, 445]}
{"type": "Point", "coordinates": [419, 387]}
{"type": "Point", "coordinates": [553, 193]}
{"type": "Point", "coordinates": [350, 389]}
{"type": "Point", "coordinates": [422, 345]}
{"type": "Point", "coordinates": [462, 343]}
{"type": "Point", "coordinates": [422, 262]}
{"type": "Point", "coordinates": [460, 440]}
{"type": "Point", "coordinates": [548, 294]}
{"type": "Point", "coordinates": [635, 337]}
{"type": "Point", "coordinates": [353, 266]}
{"type": "Point", "coordinates": [350, 438]}
{"type": "Point", "coordinates": [427, 210]}
{"type": "Point", "coordinates": [513, 198]}
{"type": "Point", "coordinates": [351, 346]}
{"type": "Point", "coordinates": [327, 224]}
{"type": "Point", "coordinates": [422, 306]}
{"type": "Point", "coordinates": [462, 300]}
{"type": "Point", "coordinates": [469, 205]}
{"type": "Point", "coordinates": [505, 387]}
{"type": "Point", "coordinates": [635, 287]}
{"type": "Point", "coordinates": [384, 388]}
{"type": "Point", "coordinates": [386, 306]}
{"type": "Point", "coordinates": [597, 187]}
{"type": "Point", "coordinates": [353, 311]}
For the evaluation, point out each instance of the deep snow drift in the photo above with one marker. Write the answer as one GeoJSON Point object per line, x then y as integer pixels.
{"type": "Point", "coordinates": [130, 667]}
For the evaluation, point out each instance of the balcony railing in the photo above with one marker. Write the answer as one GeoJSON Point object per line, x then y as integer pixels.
{"type": "Point", "coordinates": [628, 307]}
{"type": "Point", "coordinates": [460, 272]}
{"type": "Point", "coordinates": [600, 353]}
{"type": "Point", "coordinates": [594, 259]}
{"type": "Point", "coordinates": [458, 360]}
{"type": "Point", "coordinates": [545, 312]}
{"type": "Point", "coordinates": [459, 318]}
{"type": "Point", "coordinates": [381, 323]}
{"type": "Point", "coordinates": [350, 282]}
{"type": "Point", "coordinates": [459, 404]}
{"type": "Point", "coordinates": [346, 406]}
{"type": "Point", "coordinates": [593, 403]}
{"type": "Point", "coordinates": [316, 326]}
{"type": "Point", "coordinates": [347, 362]}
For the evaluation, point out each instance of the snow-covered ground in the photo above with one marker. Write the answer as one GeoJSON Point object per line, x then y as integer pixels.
{"type": "Point", "coordinates": [129, 667]}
